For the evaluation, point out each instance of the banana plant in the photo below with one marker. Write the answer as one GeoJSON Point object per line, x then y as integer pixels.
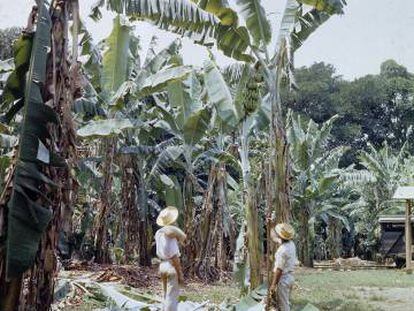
{"type": "Point", "coordinates": [127, 88]}
{"type": "Point", "coordinates": [242, 96]}
{"type": "Point", "coordinates": [385, 169]}
{"type": "Point", "coordinates": [318, 190]}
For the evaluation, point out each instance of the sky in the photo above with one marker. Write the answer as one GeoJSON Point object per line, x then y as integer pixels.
{"type": "Point", "coordinates": [356, 43]}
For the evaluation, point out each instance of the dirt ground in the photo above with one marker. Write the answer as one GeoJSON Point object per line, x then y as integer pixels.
{"type": "Point", "coordinates": [363, 290]}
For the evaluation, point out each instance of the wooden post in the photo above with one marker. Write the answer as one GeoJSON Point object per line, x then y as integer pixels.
{"type": "Point", "coordinates": [408, 237]}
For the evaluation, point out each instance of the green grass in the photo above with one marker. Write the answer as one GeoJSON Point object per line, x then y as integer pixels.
{"type": "Point", "coordinates": [366, 290]}
{"type": "Point", "coordinates": [216, 293]}
{"type": "Point", "coordinates": [335, 290]}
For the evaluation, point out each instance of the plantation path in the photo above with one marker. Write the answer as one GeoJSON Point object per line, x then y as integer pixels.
{"type": "Point", "coordinates": [131, 288]}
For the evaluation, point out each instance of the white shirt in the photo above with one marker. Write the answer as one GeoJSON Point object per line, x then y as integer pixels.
{"type": "Point", "coordinates": [285, 257]}
{"type": "Point", "coordinates": [167, 243]}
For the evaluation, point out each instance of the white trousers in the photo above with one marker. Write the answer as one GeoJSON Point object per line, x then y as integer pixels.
{"type": "Point", "coordinates": [171, 288]}
{"type": "Point", "coordinates": [284, 288]}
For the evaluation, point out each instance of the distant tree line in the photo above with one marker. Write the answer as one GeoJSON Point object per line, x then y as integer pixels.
{"type": "Point", "coordinates": [373, 109]}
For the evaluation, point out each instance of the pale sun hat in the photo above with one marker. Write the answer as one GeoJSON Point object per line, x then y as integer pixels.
{"type": "Point", "coordinates": [167, 216]}
{"type": "Point", "coordinates": [285, 231]}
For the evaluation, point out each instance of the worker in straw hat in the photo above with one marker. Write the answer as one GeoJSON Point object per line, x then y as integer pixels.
{"type": "Point", "coordinates": [167, 240]}
{"type": "Point", "coordinates": [285, 262]}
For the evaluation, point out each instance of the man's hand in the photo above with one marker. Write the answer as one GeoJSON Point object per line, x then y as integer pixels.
{"type": "Point", "coordinates": [276, 277]}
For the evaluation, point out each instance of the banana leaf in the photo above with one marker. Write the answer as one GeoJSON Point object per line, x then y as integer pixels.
{"type": "Point", "coordinates": [327, 6]}
{"type": "Point", "coordinates": [221, 9]}
{"type": "Point", "coordinates": [115, 60]}
{"type": "Point", "coordinates": [28, 208]}
{"type": "Point", "coordinates": [219, 94]}
{"type": "Point", "coordinates": [158, 81]}
{"type": "Point", "coordinates": [195, 126]}
{"type": "Point", "coordinates": [104, 128]}
{"type": "Point", "coordinates": [256, 20]}
{"type": "Point", "coordinates": [13, 93]}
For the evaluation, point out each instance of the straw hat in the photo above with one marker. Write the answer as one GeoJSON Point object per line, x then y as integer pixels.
{"type": "Point", "coordinates": [167, 216]}
{"type": "Point", "coordinates": [285, 231]}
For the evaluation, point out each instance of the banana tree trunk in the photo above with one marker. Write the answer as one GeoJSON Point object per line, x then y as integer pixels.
{"type": "Point", "coordinates": [279, 166]}
{"type": "Point", "coordinates": [144, 227]}
{"type": "Point", "coordinates": [211, 229]}
{"type": "Point", "coordinates": [334, 238]}
{"type": "Point", "coordinates": [221, 203]}
{"type": "Point", "coordinates": [101, 224]}
{"type": "Point", "coordinates": [130, 216]}
{"type": "Point", "coordinates": [202, 267]}
{"type": "Point", "coordinates": [305, 247]}
{"type": "Point", "coordinates": [251, 212]}
{"type": "Point", "coordinates": [279, 154]}
{"type": "Point", "coordinates": [190, 248]}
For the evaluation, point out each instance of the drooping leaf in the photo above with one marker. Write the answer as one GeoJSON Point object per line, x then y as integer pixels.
{"type": "Point", "coordinates": [174, 195]}
{"type": "Point", "coordinates": [180, 16]}
{"type": "Point", "coordinates": [195, 126]}
{"type": "Point", "coordinates": [186, 18]}
{"type": "Point", "coordinates": [104, 128]}
{"type": "Point", "coordinates": [219, 94]}
{"type": "Point", "coordinates": [156, 60]}
{"type": "Point", "coordinates": [233, 42]}
{"type": "Point", "coordinates": [185, 96]}
{"type": "Point", "coordinates": [159, 81]}
{"type": "Point", "coordinates": [253, 301]}
{"type": "Point", "coordinates": [27, 218]}
{"type": "Point", "coordinates": [221, 9]}
{"type": "Point", "coordinates": [116, 57]}
{"type": "Point", "coordinates": [92, 52]}
{"type": "Point", "coordinates": [256, 20]}
{"type": "Point", "coordinates": [308, 23]}
{"type": "Point", "coordinates": [289, 19]}
{"type": "Point", "coordinates": [168, 156]}
{"type": "Point", "coordinates": [16, 80]}
{"type": "Point", "coordinates": [327, 6]}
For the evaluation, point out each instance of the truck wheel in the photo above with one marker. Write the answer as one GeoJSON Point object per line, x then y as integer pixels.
{"type": "Point", "coordinates": [399, 262]}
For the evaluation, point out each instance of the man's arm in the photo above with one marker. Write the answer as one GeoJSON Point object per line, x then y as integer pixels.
{"type": "Point", "coordinates": [174, 232]}
{"type": "Point", "coordinates": [277, 274]}
{"type": "Point", "coordinates": [176, 263]}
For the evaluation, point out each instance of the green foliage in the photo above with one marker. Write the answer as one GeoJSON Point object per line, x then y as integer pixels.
{"type": "Point", "coordinates": [374, 108]}
{"type": "Point", "coordinates": [158, 81]}
{"type": "Point", "coordinates": [328, 6]}
{"type": "Point", "coordinates": [219, 94]}
{"type": "Point", "coordinates": [104, 128]}
{"type": "Point", "coordinates": [387, 170]}
{"type": "Point", "coordinates": [256, 20]}
{"type": "Point", "coordinates": [12, 97]}
{"type": "Point", "coordinates": [315, 165]}
{"type": "Point", "coordinates": [116, 58]}
{"type": "Point", "coordinates": [27, 217]}
{"type": "Point", "coordinates": [221, 9]}
{"type": "Point", "coordinates": [7, 38]}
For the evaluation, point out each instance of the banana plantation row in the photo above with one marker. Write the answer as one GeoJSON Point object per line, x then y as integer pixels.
{"type": "Point", "coordinates": [98, 137]}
